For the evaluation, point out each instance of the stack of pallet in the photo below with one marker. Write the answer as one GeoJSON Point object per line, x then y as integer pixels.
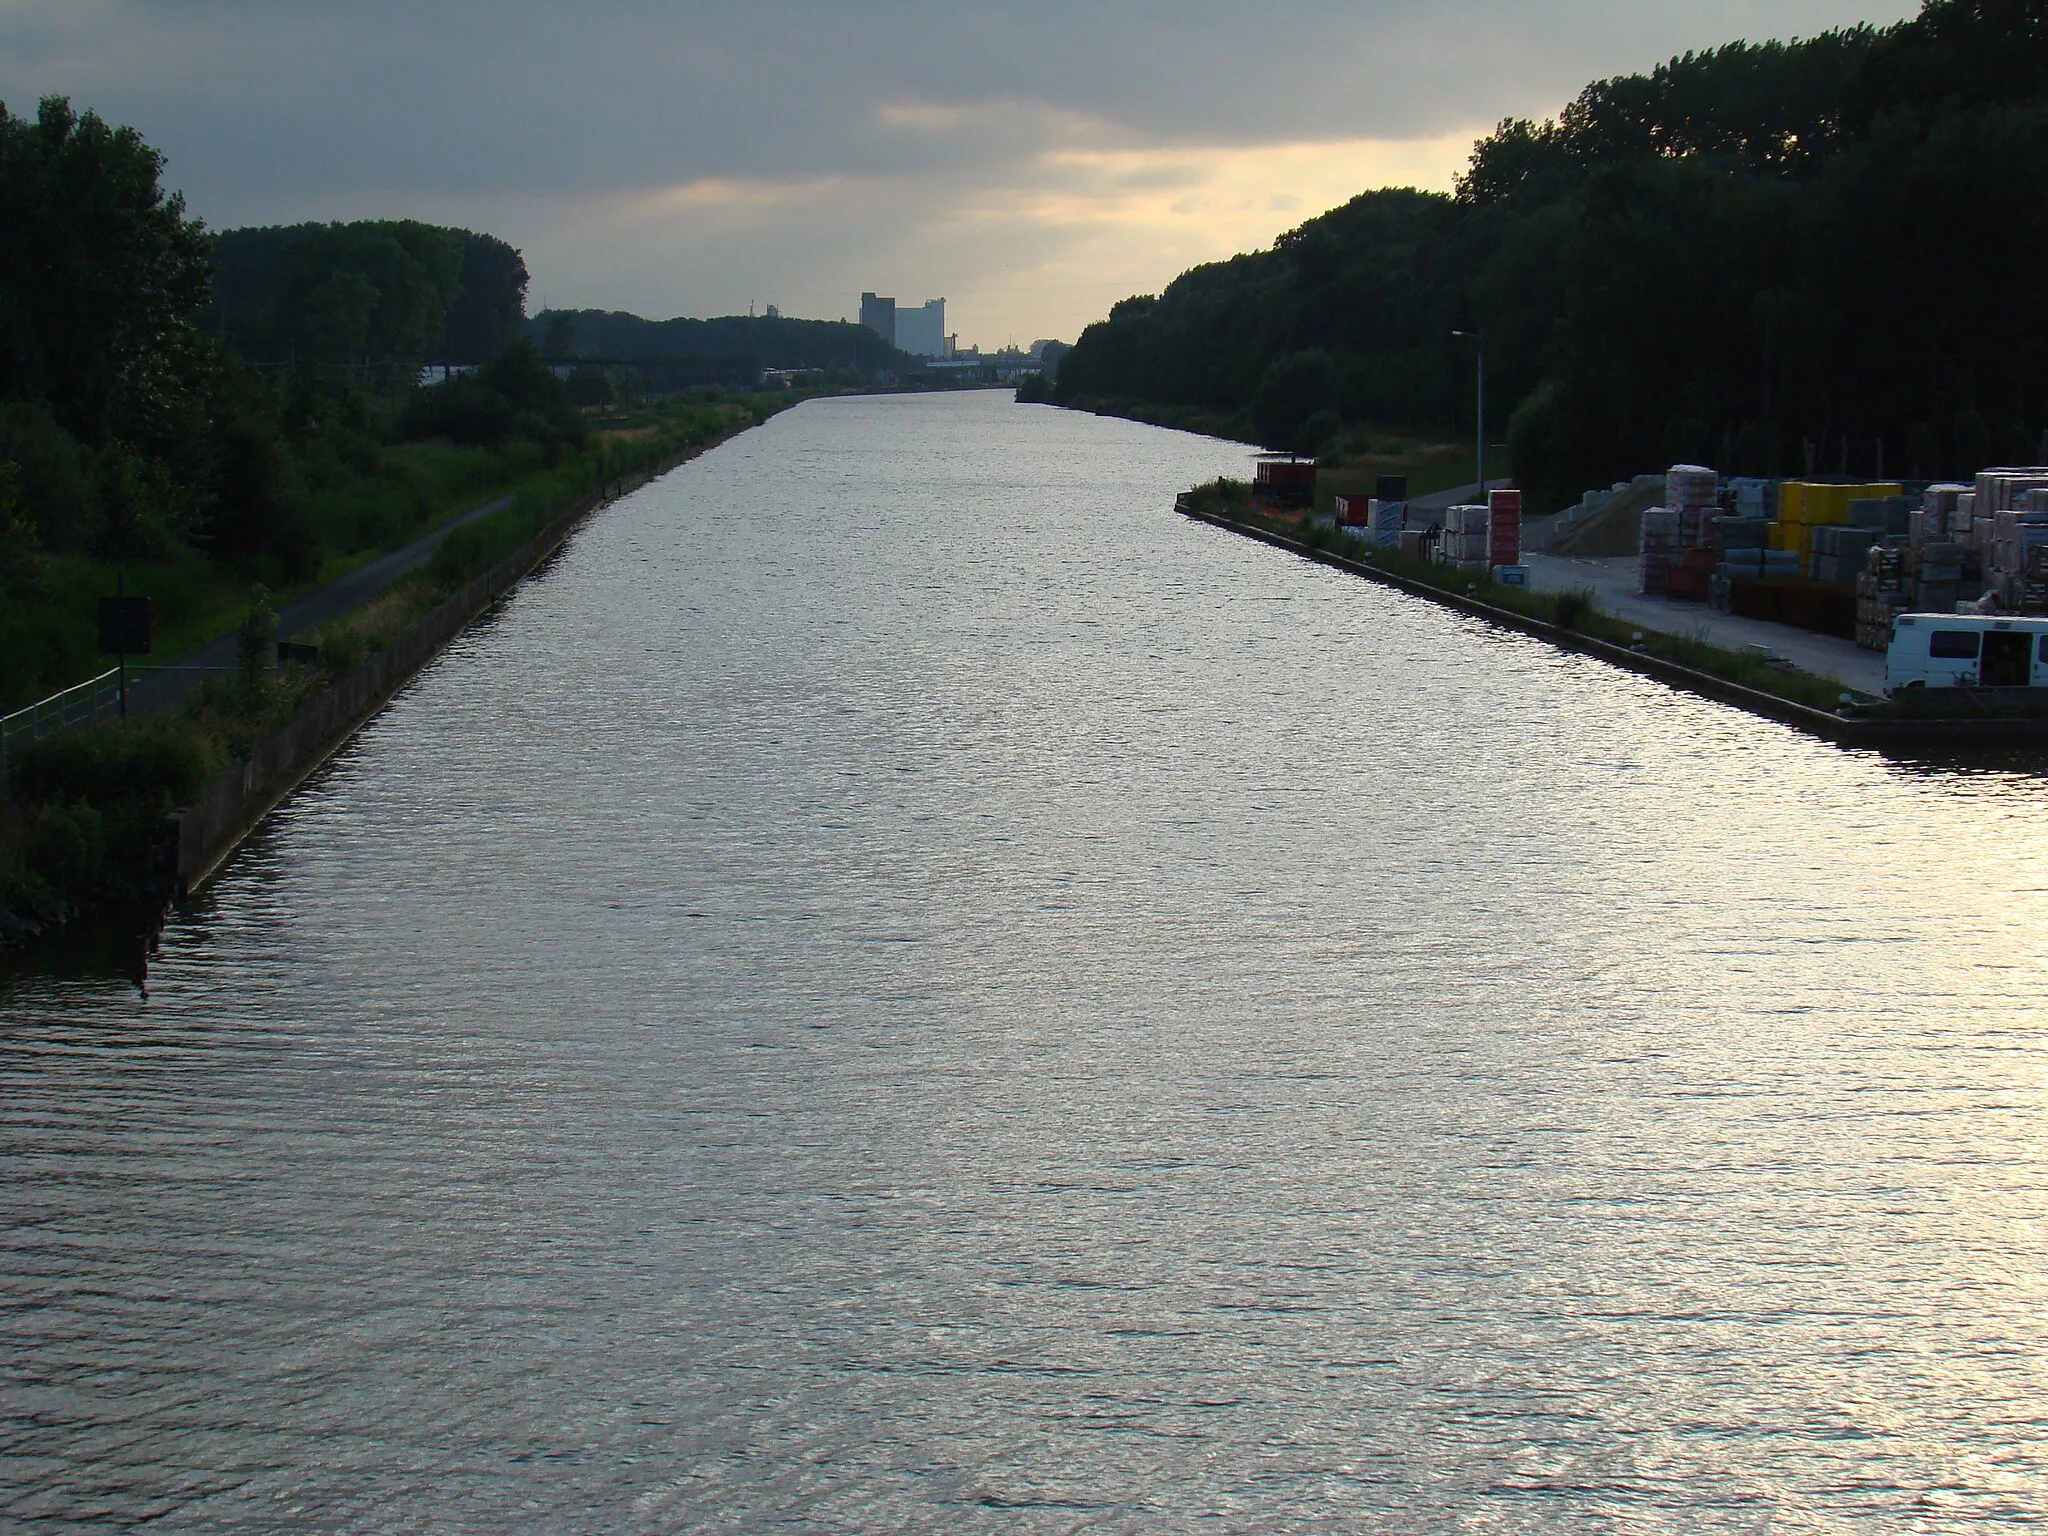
{"type": "Point", "coordinates": [1752, 497]}
{"type": "Point", "coordinates": [1975, 523]}
{"type": "Point", "coordinates": [1938, 577]}
{"type": "Point", "coordinates": [1806, 505]}
{"type": "Point", "coordinates": [1880, 596]}
{"type": "Point", "coordinates": [1468, 539]}
{"type": "Point", "coordinates": [1390, 511]}
{"type": "Point", "coordinates": [2018, 537]}
{"type": "Point", "coordinates": [1504, 525]}
{"type": "Point", "coordinates": [1935, 521]}
{"type": "Point", "coordinates": [1661, 550]}
{"type": "Point", "coordinates": [1838, 551]}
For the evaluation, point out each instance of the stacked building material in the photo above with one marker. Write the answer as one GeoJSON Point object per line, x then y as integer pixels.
{"type": "Point", "coordinates": [1467, 540]}
{"type": "Point", "coordinates": [1992, 492]}
{"type": "Point", "coordinates": [2033, 590]}
{"type": "Point", "coordinates": [1285, 482]}
{"type": "Point", "coordinates": [1661, 550]}
{"type": "Point", "coordinates": [1753, 498]}
{"type": "Point", "coordinates": [1693, 492]}
{"type": "Point", "coordinates": [2016, 535]}
{"type": "Point", "coordinates": [1934, 522]}
{"type": "Point", "coordinates": [1504, 527]}
{"type": "Point", "coordinates": [1354, 514]}
{"type": "Point", "coordinates": [1937, 583]}
{"type": "Point", "coordinates": [1889, 517]}
{"type": "Point", "coordinates": [1390, 514]}
{"type": "Point", "coordinates": [1804, 505]}
{"type": "Point", "coordinates": [1838, 551]}
{"type": "Point", "coordinates": [1880, 596]}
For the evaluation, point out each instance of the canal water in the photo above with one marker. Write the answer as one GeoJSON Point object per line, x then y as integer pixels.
{"type": "Point", "coordinates": [900, 986]}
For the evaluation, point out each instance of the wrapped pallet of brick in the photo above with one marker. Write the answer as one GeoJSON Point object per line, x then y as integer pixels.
{"type": "Point", "coordinates": [1390, 514]}
{"type": "Point", "coordinates": [1939, 507]}
{"type": "Point", "coordinates": [1693, 492]}
{"type": "Point", "coordinates": [1504, 527]}
{"type": "Point", "coordinates": [1660, 550]}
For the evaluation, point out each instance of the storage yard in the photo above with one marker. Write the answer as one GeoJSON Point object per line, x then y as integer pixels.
{"type": "Point", "coordinates": [1847, 558]}
{"type": "Point", "coordinates": [1835, 587]}
{"type": "Point", "coordinates": [1807, 573]}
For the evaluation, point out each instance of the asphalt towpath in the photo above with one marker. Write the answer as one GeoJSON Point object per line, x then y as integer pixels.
{"type": "Point", "coordinates": [165, 687]}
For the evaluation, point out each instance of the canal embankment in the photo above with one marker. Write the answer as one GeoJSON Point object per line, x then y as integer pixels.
{"type": "Point", "coordinates": [97, 844]}
{"type": "Point", "coordinates": [1572, 619]}
{"type": "Point", "coordinates": [201, 837]}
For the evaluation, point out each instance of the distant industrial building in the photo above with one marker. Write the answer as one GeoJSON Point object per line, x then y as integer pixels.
{"type": "Point", "coordinates": [879, 316]}
{"type": "Point", "coordinates": [921, 332]}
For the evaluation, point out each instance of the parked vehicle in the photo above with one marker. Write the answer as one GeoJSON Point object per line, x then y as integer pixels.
{"type": "Point", "coordinates": [1958, 650]}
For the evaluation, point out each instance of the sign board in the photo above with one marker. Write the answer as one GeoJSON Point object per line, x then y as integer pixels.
{"type": "Point", "coordinates": [124, 625]}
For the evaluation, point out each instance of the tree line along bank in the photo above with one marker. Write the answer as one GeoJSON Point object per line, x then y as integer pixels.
{"type": "Point", "coordinates": [1787, 259]}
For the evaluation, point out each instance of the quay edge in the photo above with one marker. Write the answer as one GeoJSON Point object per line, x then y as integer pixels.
{"type": "Point", "coordinates": [1848, 729]}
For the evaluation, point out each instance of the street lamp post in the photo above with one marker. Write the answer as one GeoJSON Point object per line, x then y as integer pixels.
{"type": "Point", "coordinates": [1480, 338]}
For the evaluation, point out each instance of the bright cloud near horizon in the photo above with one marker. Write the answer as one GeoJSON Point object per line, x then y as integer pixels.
{"type": "Point", "coordinates": [1032, 163]}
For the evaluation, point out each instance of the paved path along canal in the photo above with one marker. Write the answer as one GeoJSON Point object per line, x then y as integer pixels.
{"type": "Point", "coordinates": [164, 687]}
{"type": "Point", "coordinates": [899, 985]}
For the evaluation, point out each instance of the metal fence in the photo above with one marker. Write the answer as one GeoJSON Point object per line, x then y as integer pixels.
{"type": "Point", "coordinates": [80, 704]}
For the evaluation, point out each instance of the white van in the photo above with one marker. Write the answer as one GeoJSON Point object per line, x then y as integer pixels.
{"type": "Point", "coordinates": [1966, 650]}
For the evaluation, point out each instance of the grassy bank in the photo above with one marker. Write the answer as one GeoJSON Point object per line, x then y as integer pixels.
{"type": "Point", "coordinates": [82, 813]}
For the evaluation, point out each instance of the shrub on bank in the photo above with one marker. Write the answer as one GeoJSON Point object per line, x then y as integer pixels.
{"type": "Point", "coordinates": [84, 810]}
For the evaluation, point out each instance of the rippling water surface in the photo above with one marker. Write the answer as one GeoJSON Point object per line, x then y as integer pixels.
{"type": "Point", "coordinates": [901, 986]}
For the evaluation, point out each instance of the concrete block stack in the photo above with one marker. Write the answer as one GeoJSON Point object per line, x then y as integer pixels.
{"type": "Point", "coordinates": [1889, 517]}
{"type": "Point", "coordinates": [1839, 550]}
{"type": "Point", "coordinates": [1937, 584]}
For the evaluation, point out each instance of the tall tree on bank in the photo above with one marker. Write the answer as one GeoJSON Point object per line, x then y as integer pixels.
{"type": "Point", "coordinates": [1782, 258]}
{"type": "Point", "coordinates": [100, 274]}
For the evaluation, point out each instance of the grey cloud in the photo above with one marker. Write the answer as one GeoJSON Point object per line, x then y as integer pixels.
{"type": "Point", "coordinates": [546, 122]}
{"type": "Point", "coordinates": [261, 97]}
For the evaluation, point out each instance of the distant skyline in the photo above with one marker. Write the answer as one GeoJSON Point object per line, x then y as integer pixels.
{"type": "Point", "coordinates": [1033, 163]}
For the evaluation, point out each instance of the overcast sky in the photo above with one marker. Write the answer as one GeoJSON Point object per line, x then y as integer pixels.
{"type": "Point", "coordinates": [1032, 162]}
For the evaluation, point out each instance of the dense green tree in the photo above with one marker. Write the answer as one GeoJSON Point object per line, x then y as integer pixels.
{"type": "Point", "coordinates": [515, 394]}
{"type": "Point", "coordinates": [1818, 255]}
{"type": "Point", "coordinates": [100, 274]}
{"type": "Point", "coordinates": [367, 302]}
